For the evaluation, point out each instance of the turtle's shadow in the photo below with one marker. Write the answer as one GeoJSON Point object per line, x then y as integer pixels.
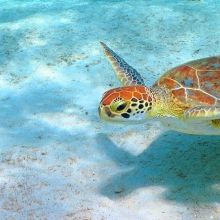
{"type": "Point", "coordinates": [186, 166]}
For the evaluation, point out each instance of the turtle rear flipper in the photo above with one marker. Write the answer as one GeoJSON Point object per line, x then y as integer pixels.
{"type": "Point", "coordinates": [124, 72]}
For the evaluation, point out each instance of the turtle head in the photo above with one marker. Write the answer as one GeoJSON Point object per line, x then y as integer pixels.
{"type": "Point", "coordinates": [126, 104]}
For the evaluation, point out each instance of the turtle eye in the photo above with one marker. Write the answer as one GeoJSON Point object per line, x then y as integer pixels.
{"type": "Point", "coordinates": [118, 106]}
{"type": "Point", "coordinates": [121, 107]}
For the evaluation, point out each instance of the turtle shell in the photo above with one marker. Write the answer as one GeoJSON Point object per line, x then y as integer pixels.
{"type": "Point", "coordinates": [195, 83]}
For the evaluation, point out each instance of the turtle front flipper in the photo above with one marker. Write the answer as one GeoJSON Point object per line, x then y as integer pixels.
{"type": "Point", "coordinates": [124, 72]}
{"type": "Point", "coordinates": [203, 113]}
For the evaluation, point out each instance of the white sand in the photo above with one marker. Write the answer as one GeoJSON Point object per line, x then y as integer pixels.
{"type": "Point", "coordinates": [57, 160]}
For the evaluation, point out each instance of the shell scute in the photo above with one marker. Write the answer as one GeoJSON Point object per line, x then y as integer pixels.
{"type": "Point", "coordinates": [183, 75]}
{"type": "Point", "coordinates": [211, 63]}
{"type": "Point", "coordinates": [210, 82]}
{"type": "Point", "coordinates": [199, 79]}
{"type": "Point", "coordinates": [197, 96]}
{"type": "Point", "coordinates": [180, 94]}
{"type": "Point", "coordinates": [170, 83]}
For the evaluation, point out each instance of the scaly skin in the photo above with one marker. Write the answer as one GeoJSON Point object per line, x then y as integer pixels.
{"type": "Point", "coordinates": [136, 103]}
{"type": "Point", "coordinates": [186, 98]}
{"type": "Point", "coordinates": [166, 105]}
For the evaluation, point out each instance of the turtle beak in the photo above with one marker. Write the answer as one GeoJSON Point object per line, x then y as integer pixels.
{"type": "Point", "coordinates": [99, 110]}
{"type": "Point", "coordinates": [105, 113]}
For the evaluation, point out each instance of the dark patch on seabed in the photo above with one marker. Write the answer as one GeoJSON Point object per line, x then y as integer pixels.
{"type": "Point", "coordinates": [57, 159]}
{"type": "Point", "coordinates": [188, 170]}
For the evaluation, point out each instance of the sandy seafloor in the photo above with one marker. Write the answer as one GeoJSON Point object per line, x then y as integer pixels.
{"type": "Point", "coordinates": [57, 160]}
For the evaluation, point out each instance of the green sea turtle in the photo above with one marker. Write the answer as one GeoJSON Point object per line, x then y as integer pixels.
{"type": "Point", "coordinates": [186, 98]}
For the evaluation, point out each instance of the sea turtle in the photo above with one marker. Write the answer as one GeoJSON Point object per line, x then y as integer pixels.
{"type": "Point", "coordinates": [186, 98]}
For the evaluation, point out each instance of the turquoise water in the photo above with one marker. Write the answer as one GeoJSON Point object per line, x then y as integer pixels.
{"type": "Point", "coordinates": [58, 160]}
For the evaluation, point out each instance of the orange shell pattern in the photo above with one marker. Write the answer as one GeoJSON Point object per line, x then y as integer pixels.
{"type": "Point", "coordinates": [196, 82]}
{"type": "Point", "coordinates": [127, 93]}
